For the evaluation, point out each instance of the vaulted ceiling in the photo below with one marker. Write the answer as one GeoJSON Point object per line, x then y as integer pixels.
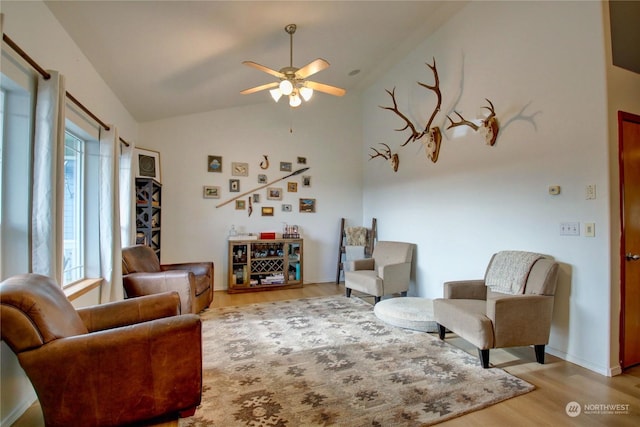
{"type": "Point", "coordinates": [170, 58]}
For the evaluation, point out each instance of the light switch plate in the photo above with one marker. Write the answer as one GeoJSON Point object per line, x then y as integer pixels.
{"type": "Point", "coordinates": [589, 229]}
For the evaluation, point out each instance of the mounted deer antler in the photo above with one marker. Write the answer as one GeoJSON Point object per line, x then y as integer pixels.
{"type": "Point", "coordinates": [395, 160]}
{"type": "Point", "coordinates": [434, 135]}
{"type": "Point", "coordinates": [490, 125]}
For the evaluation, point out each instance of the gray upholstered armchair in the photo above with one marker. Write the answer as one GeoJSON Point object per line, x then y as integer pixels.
{"type": "Point", "coordinates": [512, 306]}
{"type": "Point", "coordinates": [387, 272]}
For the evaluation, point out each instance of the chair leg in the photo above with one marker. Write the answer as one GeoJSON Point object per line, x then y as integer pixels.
{"type": "Point", "coordinates": [348, 292]}
{"type": "Point", "coordinates": [484, 358]}
{"type": "Point", "coordinates": [441, 331]}
{"type": "Point", "coordinates": [539, 349]}
{"type": "Point", "coordinates": [376, 300]}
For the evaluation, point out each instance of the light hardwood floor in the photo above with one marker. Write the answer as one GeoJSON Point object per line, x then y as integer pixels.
{"type": "Point", "coordinates": [557, 382]}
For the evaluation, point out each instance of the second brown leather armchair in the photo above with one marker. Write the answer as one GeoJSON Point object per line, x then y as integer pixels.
{"type": "Point", "coordinates": [144, 275]}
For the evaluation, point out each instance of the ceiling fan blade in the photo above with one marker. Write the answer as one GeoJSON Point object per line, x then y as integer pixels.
{"type": "Point", "coordinates": [311, 68]}
{"type": "Point", "coordinates": [259, 88]}
{"type": "Point", "coordinates": [264, 69]}
{"type": "Point", "coordinates": [331, 90]}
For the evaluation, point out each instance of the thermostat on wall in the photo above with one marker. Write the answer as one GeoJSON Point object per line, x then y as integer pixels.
{"type": "Point", "coordinates": [554, 190]}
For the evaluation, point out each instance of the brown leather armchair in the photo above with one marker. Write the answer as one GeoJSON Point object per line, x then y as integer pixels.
{"type": "Point", "coordinates": [144, 275]}
{"type": "Point", "coordinates": [133, 361]}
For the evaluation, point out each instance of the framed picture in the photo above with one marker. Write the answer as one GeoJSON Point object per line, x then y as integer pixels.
{"type": "Point", "coordinates": [239, 169]}
{"type": "Point", "coordinates": [308, 205]}
{"type": "Point", "coordinates": [234, 185]}
{"type": "Point", "coordinates": [285, 166]}
{"type": "Point", "coordinates": [256, 198]}
{"type": "Point", "coordinates": [214, 163]}
{"type": "Point", "coordinates": [146, 164]}
{"type": "Point", "coordinates": [292, 187]}
{"type": "Point", "coordinates": [262, 179]}
{"type": "Point", "coordinates": [286, 208]}
{"type": "Point", "coordinates": [267, 211]}
{"type": "Point", "coordinates": [302, 160]}
{"type": "Point", "coordinates": [210, 192]}
{"type": "Point", "coordinates": [240, 204]}
{"type": "Point", "coordinates": [274, 193]}
{"type": "Point", "coordinates": [306, 181]}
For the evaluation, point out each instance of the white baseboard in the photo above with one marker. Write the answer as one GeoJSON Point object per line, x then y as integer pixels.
{"type": "Point", "coordinates": [602, 370]}
{"type": "Point", "coordinates": [17, 412]}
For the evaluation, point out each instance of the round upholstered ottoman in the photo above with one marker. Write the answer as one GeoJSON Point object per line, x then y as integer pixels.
{"type": "Point", "coordinates": [407, 312]}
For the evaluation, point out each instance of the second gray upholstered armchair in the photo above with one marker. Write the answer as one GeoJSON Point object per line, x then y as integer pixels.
{"type": "Point", "coordinates": [511, 307]}
{"type": "Point", "coordinates": [387, 272]}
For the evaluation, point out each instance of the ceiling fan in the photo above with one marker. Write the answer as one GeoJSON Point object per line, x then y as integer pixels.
{"type": "Point", "coordinates": [292, 81]}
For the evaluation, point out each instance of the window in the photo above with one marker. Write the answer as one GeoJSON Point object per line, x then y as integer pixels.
{"type": "Point", "coordinates": [74, 224]}
{"type": "Point", "coordinates": [17, 86]}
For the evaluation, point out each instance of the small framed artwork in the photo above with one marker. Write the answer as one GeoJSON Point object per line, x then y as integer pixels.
{"type": "Point", "coordinates": [292, 187]}
{"type": "Point", "coordinates": [210, 192]}
{"type": "Point", "coordinates": [267, 211]}
{"type": "Point", "coordinates": [306, 181]}
{"type": "Point", "coordinates": [234, 185]}
{"type": "Point", "coordinates": [262, 179]}
{"type": "Point", "coordinates": [214, 163]}
{"type": "Point", "coordinates": [302, 160]}
{"type": "Point", "coordinates": [274, 193]}
{"type": "Point", "coordinates": [146, 164]}
{"type": "Point", "coordinates": [285, 166]}
{"type": "Point", "coordinates": [256, 198]}
{"type": "Point", "coordinates": [240, 205]}
{"type": "Point", "coordinates": [286, 208]}
{"type": "Point", "coordinates": [308, 205]}
{"type": "Point", "coordinates": [239, 169]}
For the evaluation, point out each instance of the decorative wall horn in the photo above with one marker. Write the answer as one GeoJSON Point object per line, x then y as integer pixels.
{"type": "Point", "coordinates": [387, 155]}
{"type": "Point", "coordinates": [434, 135]}
{"type": "Point", "coordinates": [490, 125]}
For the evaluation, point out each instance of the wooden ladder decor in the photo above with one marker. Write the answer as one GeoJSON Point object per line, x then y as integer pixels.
{"type": "Point", "coordinates": [372, 236]}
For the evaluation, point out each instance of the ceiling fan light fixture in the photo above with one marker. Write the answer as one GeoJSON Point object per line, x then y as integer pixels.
{"type": "Point", "coordinates": [294, 100]}
{"type": "Point", "coordinates": [306, 93]}
{"type": "Point", "coordinates": [276, 94]}
{"type": "Point", "coordinates": [286, 87]}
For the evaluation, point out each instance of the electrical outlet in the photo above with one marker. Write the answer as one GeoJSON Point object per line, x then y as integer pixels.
{"type": "Point", "coordinates": [590, 192]}
{"type": "Point", "coordinates": [569, 228]}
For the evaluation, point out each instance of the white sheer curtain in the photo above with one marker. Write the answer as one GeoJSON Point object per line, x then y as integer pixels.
{"type": "Point", "coordinates": [48, 178]}
{"type": "Point", "coordinates": [109, 206]}
{"type": "Point", "coordinates": [127, 197]}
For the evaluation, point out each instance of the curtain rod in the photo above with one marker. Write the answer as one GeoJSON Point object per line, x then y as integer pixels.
{"type": "Point", "coordinates": [47, 76]}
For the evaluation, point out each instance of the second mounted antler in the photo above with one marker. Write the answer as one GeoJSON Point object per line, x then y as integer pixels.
{"type": "Point", "coordinates": [490, 125]}
{"type": "Point", "coordinates": [434, 135]}
{"type": "Point", "coordinates": [387, 155]}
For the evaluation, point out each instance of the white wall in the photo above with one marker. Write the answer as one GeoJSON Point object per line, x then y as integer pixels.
{"type": "Point", "coordinates": [33, 27]}
{"type": "Point", "coordinates": [326, 131]}
{"type": "Point", "coordinates": [476, 200]}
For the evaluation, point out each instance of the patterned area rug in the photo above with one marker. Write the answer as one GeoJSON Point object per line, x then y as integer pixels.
{"type": "Point", "coordinates": [330, 361]}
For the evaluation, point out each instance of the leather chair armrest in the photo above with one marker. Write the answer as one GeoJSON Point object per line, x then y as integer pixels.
{"type": "Point", "coordinates": [123, 375]}
{"type": "Point", "coordinates": [130, 311]}
{"type": "Point", "coordinates": [465, 289]}
{"type": "Point", "coordinates": [181, 281]}
{"type": "Point", "coordinates": [197, 268]}
{"type": "Point", "coordinates": [363, 264]}
{"type": "Point", "coordinates": [520, 319]}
